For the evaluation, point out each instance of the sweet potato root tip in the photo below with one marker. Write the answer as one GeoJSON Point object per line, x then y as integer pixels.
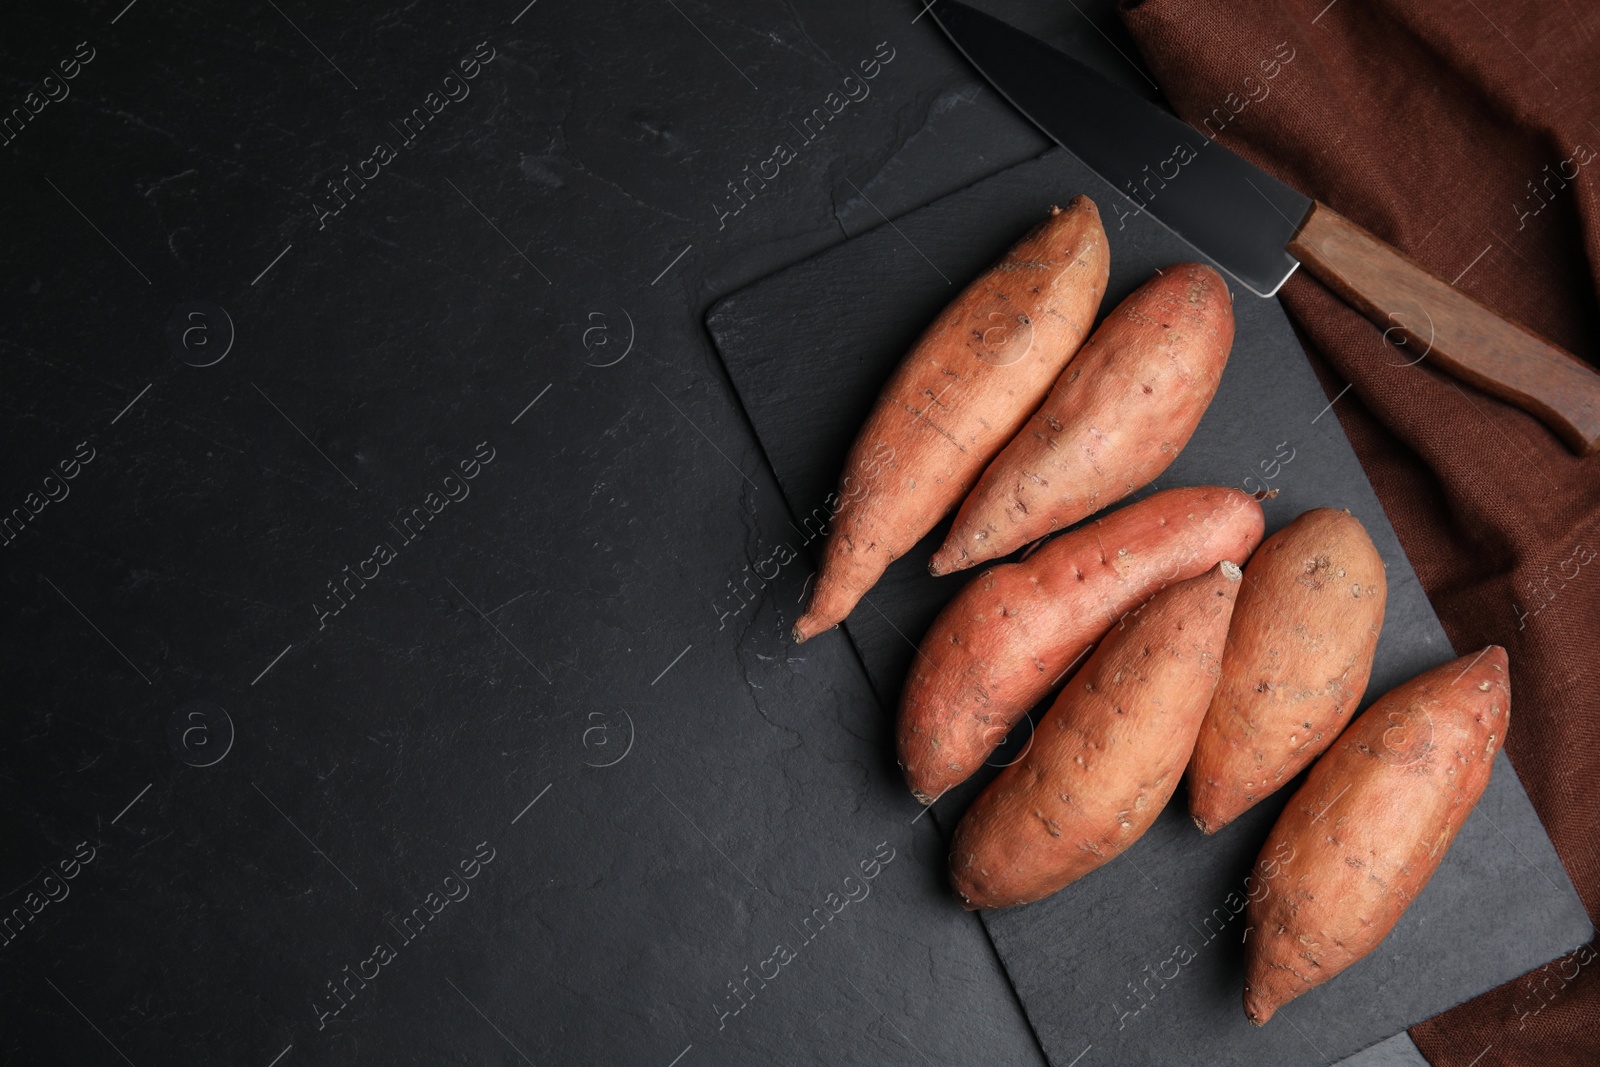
{"type": "Point", "coordinates": [963, 391]}
{"type": "Point", "coordinates": [1397, 786]}
{"type": "Point", "coordinates": [808, 627]}
{"type": "Point", "coordinates": [1300, 652]}
{"type": "Point", "coordinates": [948, 560]}
{"type": "Point", "coordinates": [1116, 418]}
{"type": "Point", "coordinates": [1107, 757]}
{"type": "Point", "coordinates": [1256, 1010]}
{"type": "Point", "coordinates": [978, 671]}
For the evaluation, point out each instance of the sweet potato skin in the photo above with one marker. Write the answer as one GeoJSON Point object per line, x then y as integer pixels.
{"type": "Point", "coordinates": [1011, 634]}
{"type": "Point", "coordinates": [1117, 417]}
{"type": "Point", "coordinates": [1299, 656]}
{"type": "Point", "coordinates": [964, 390]}
{"type": "Point", "coordinates": [1371, 824]}
{"type": "Point", "coordinates": [1107, 758]}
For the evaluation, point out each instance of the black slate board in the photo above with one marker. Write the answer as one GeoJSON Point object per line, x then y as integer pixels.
{"type": "Point", "coordinates": [1096, 965]}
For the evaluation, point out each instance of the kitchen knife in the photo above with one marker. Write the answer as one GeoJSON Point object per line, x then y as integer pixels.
{"type": "Point", "coordinates": [1259, 229]}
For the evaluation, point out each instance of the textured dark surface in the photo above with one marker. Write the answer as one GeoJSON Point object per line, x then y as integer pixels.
{"type": "Point", "coordinates": [1099, 965]}
{"type": "Point", "coordinates": [574, 602]}
{"type": "Point", "coordinates": [248, 848]}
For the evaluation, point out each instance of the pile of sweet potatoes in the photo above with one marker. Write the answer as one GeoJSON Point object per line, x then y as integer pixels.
{"type": "Point", "coordinates": [1201, 652]}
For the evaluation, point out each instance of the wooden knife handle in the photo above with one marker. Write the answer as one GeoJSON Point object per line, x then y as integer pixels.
{"type": "Point", "coordinates": [1450, 329]}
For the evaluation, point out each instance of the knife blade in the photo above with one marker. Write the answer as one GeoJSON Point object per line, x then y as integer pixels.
{"type": "Point", "coordinates": [1259, 230]}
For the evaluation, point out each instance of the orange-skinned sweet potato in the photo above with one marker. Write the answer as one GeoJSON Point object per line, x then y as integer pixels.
{"type": "Point", "coordinates": [1371, 824]}
{"type": "Point", "coordinates": [1010, 635]}
{"type": "Point", "coordinates": [964, 390]}
{"type": "Point", "coordinates": [1299, 655]}
{"type": "Point", "coordinates": [1107, 758]}
{"type": "Point", "coordinates": [1117, 417]}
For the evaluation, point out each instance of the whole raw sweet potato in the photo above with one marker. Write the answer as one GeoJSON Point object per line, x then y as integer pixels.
{"type": "Point", "coordinates": [1008, 638]}
{"type": "Point", "coordinates": [1299, 656]}
{"type": "Point", "coordinates": [1107, 758]}
{"type": "Point", "coordinates": [1370, 825]}
{"type": "Point", "coordinates": [963, 391]}
{"type": "Point", "coordinates": [1117, 417]}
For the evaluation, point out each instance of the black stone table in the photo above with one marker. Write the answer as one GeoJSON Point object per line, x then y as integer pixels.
{"type": "Point", "coordinates": [381, 687]}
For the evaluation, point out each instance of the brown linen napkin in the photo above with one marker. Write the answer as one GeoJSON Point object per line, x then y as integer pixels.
{"type": "Point", "coordinates": [1467, 134]}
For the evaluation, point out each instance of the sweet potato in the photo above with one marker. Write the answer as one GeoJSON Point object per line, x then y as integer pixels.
{"type": "Point", "coordinates": [1107, 758]}
{"type": "Point", "coordinates": [1117, 417]}
{"type": "Point", "coordinates": [1299, 656]}
{"type": "Point", "coordinates": [963, 391]}
{"type": "Point", "coordinates": [1370, 825]}
{"type": "Point", "coordinates": [1008, 638]}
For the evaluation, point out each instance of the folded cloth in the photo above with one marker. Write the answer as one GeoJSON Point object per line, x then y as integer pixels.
{"type": "Point", "coordinates": [1466, 134]}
